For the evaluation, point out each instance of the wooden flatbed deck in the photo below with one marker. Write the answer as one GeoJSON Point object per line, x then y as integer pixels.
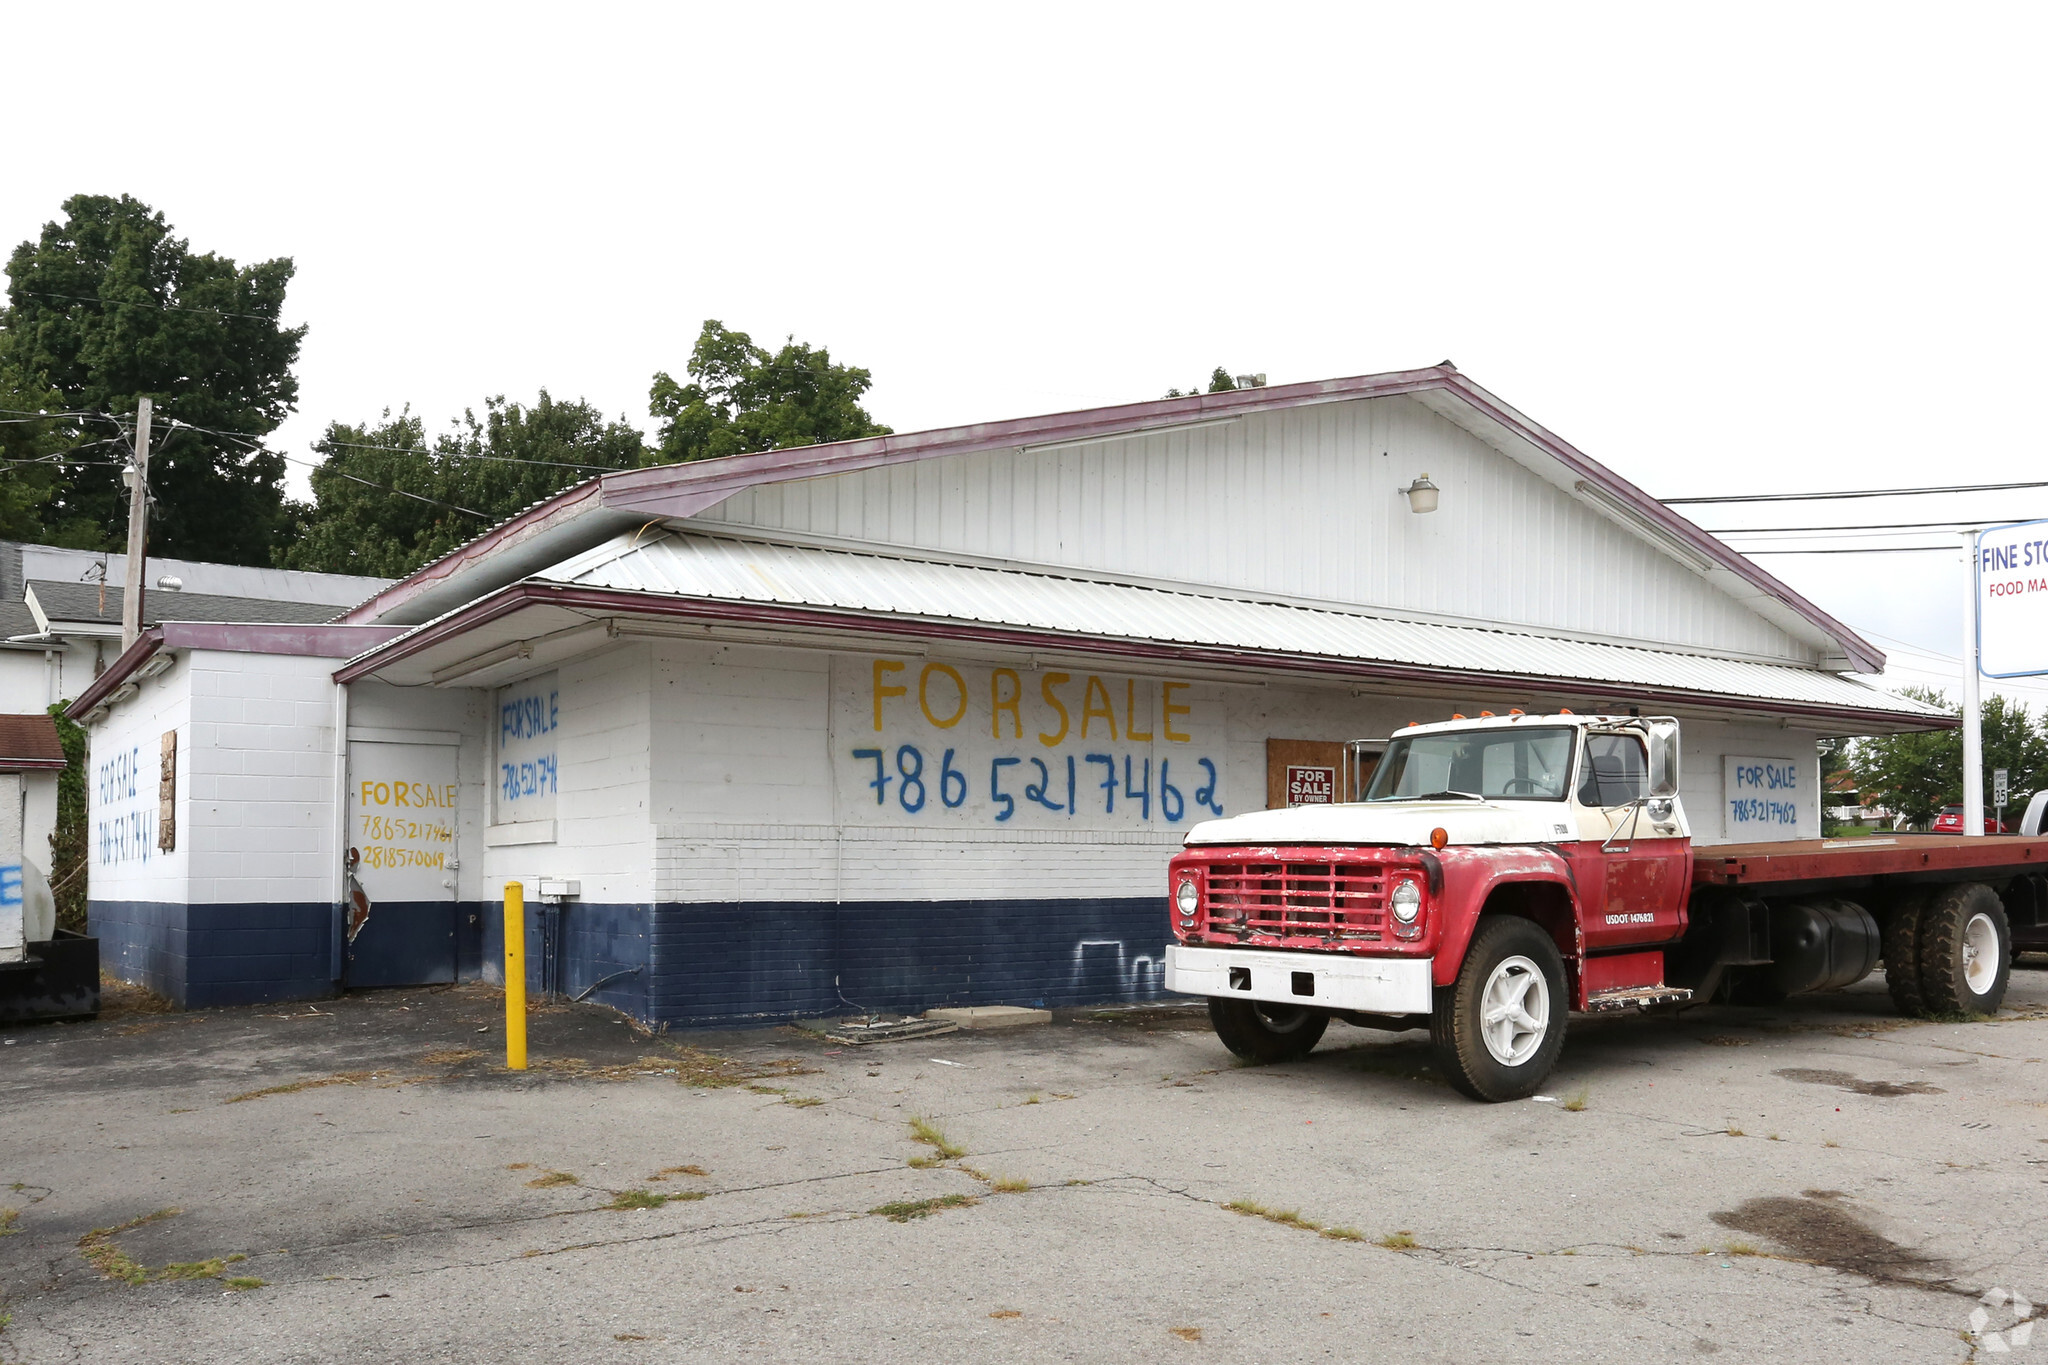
{"type": "Point", "coordinates": [1814, 860]}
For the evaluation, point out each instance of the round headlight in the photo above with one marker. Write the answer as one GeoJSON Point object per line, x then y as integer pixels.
{"type": "Point", "coordinates": [1406, 901]}
{"type": "Point", "coordinates": [1185, 897]}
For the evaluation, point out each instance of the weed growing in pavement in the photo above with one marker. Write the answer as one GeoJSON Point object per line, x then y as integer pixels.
{"type": "Point", "coordinates": [1287, 1217]}
{"type": "Point", "coordinates": [908, 1209]}
{"type": "Point", "coordinates": [1403, 1240]}
{"type": "Point", "coordinates": [1740, 1249]}
{"type": "Point", "coordinates": [1032, 1098]}
{"type": "Point", "coordinates": [1009, 1184]}
{"type": "Point", "coordinates": [1732, 1131]}
{"type": "Point", "coordinates": [1344, 1234]}
{"type": "Point", "coordinates": [1185, 1333]}
{"type": "Point", "coordinates": [802, 1101]}
{"type": "Point", "coordinates": [667, 1171]}
{"type": "Point", "coordinates": [637, 1199]}
{"type": "Point", "coordinates": [927, 1162]}
{"type": "Point", "coordinates": [10, 1222]}
{"type": "Point", "coordinates": [1577, 1103]}
{"type": "Point", "coordinates": [550, 1180]}
{"type": "Point", "coordinates": [104, 1254]}
{"type": "Point", "coordinates": [294, 1087]}
{"type": "Point", "coordinates": [923, 1129]}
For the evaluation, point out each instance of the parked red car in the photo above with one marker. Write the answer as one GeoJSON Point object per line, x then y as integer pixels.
{"type": "Point", "coordinates": [1950, 821]}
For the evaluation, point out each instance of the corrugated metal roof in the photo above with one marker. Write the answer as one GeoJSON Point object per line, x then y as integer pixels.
{"type": "Point", "coordinates": [694, 565]}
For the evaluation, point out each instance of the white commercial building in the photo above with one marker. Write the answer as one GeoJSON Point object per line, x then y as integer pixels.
{"type": "Point", "coordinates": [918, 719]}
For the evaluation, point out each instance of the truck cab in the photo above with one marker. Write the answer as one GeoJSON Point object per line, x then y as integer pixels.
{"type": "Point", "coordinates": [1498, 873]}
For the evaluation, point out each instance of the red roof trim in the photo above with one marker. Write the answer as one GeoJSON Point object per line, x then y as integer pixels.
{"type": "Point", "coordinates": [612, 601]}
{"type": "Point", "coordinates": [685, 489]}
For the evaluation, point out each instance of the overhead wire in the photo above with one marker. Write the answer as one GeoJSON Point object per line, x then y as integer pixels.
{"type": "Point", "coordinates": [1856, 493]}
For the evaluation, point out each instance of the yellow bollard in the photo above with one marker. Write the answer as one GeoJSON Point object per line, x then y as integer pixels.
{"type": "Point", "coordinates": [515, 977]}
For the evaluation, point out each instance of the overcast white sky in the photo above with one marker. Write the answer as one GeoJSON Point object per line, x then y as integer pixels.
{"type": "Point", "coordinates": [1720, 248]}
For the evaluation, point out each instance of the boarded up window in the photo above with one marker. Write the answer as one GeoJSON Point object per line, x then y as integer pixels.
{"type": "Point", "coordinates": [167, 794]}
{"type": "Point", "coordinates": [1315, 772]}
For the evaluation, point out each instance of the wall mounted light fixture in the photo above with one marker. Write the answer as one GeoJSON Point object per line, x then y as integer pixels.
{"type": "Point", "coordinates": [1422, 495]}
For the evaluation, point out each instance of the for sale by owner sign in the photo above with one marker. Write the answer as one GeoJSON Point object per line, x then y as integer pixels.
{"type": "Point", "coordinates": [2012, 600]}
{"type": "Point", "coordinates": [1311, 785]}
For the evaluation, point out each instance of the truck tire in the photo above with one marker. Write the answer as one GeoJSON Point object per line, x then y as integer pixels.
{"type": "Point", "coordinates": [1262, 1033]}
{"type": "Point", "coordinates": [1512, 973]}
{"type": "Point", "coordinates": [1902, 954]}
{"type": "Point", "coordinates": [1965, 950]}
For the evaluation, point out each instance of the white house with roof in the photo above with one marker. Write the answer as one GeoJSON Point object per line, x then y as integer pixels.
{"type": "Point", "coordinates": [918, 719]}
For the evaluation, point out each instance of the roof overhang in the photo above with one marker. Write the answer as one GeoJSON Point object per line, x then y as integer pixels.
{"type": "Point", "coordinates": [529, 626]}
{"type": "Point", "coordinates": [584, 516]}
{"type": "Point", "coordinates": [318, 642]}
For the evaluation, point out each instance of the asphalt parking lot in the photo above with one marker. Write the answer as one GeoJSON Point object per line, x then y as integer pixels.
{"type": "Point", "coordinates": [359, 1181]}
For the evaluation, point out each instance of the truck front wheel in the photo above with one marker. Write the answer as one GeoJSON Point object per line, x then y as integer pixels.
{"type": "Point", "coordinates": [1262, 1033]}
{"type": "Point", "coordinates": [1498, 1029]}
{"type": "Point", "coordinates": [1965, 950]}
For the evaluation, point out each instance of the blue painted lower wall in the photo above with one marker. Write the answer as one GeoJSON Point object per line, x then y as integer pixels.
{"type": "Point", "coordinates": [710, 965]}
{"type": "Point", "coordinates": [206, 955]}
{"type": "Point", "coordinates": [694, 965]}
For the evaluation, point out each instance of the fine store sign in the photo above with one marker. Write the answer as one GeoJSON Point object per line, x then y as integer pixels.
{"type": "Point", "coordinates": [2012, 600]}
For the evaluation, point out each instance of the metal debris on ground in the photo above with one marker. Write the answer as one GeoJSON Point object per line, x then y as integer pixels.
{"type": "Point", "coordinates": [862, 1031]}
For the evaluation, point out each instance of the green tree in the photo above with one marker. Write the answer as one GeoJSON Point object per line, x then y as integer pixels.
{"type": "Point", "coordinates": [387, 500]}
{"type": "Point", "coordinates": [1915, 775]}
{"type": "Point", "coordinates": [107, 307]}
{"type": "Point", "coordinates": [742, 399]}
{"type": "Point", "coordinates": [68, 842]}
{"type": "Point", "coordinates": [1220, 381]}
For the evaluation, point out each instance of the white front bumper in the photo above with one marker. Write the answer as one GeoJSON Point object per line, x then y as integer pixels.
{"type": "Point", "coordinates": [1336, 981]}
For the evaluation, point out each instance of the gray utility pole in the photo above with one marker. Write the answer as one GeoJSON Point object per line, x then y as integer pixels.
{"type": "Point", "coordinates": [138, 528]}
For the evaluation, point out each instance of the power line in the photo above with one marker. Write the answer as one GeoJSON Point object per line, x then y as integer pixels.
{"type": "Point", "coordinates": [1856, 493]}
{"type": "Point", "coordinates": [1865, 526]}
{"type": "Point", "coordinates": [1867, 550]}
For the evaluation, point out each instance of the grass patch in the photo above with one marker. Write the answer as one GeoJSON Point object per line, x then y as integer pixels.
{"type": "Point", "coordinates": [802, 1101]}
{"type": "Point", "coordinates": [1033, 1098]}
{"type": "Point", "coordinates": [10, 1222]}
{"type": "Point", "coordinates": [1185, 1333]}
{"type": "Point", "coordinates": [294, 1087]}
{"type": "Point", "coordinates": [637, 1199]}
{"type": "Point", "coordinates": [1344, 1234]}
{"type": "Point", "coordinates": [926, 1162]}
{"type": "Point", "coordinates": [104, 1255]}
{"type": "Point", "coordinates": [450, 1056]}
{"type": "Point", "coordinates": [1009, 1184]}
{"type": "Point", "coordinates": [667, 1171]}
{"type": "Point", "coordinates": [769, 1089]}
{"type": "Point", "coordinates": [1399, 1241]}
{"type": "Point", "coordinates": [1740, 1249]}
{"type": "Point", "coordinates": [908, 1209]}
{"type": "Point", "coordinates": [923, 1129]}
{"type": "Point", "coordinates": [551, 1180]}
{"type": "Point", "coordinates": [197, 1270]}
{"type": "Point", "coordinates": [1577, 1103]}
{"type": "Point", "coordinates": [1732, 1131]}
{"type": "Point", "coordinates": [1285, 1217]}
{"type": "Point", "coordinates": [244, 1282]}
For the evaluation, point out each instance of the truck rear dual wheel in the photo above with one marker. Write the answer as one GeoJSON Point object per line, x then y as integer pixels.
{"type": "Point", "coordinates": [1965, 951]}
{"type": "Point", "coordinates": [1498, 1029]}
{"type": "Point", "coordinates": [1902, 954]}
{"type": "Point", "coordinates": [1260, 1032]}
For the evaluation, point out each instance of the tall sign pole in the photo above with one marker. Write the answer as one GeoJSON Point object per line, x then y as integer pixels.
{"type": "Point", "coordinates": [138, 529]}
{"type": "Point", "coordinates": [1973, 708]}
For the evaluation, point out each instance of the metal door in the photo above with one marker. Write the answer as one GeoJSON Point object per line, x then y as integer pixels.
{"type": "Point", "coordinates": [400, 924]}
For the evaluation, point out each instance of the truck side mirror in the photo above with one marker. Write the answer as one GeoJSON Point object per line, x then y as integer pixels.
{"type": "Point", "coordinates": [1663, 735]}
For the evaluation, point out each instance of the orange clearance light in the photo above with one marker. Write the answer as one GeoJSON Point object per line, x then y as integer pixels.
{"type": "Point", "coordinates": [1564, 710]}
{"type": "Point", "coordinates": [1439, 836]}
{"type": "Point", "coordinates": [1516, 711]}
{"type": "Point", "coordinates": [1413, 723]}
{"type": "Point", "coordinates": [1457, 715]}
{"type": "Point", "coordinates": [1484, 714]}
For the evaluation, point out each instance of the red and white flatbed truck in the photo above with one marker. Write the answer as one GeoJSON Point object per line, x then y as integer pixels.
{"type": "Point", "coordinates": [1501, 872]}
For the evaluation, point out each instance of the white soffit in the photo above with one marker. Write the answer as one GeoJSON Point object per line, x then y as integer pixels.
{"type": "Point", "coordinates": [747, 570]}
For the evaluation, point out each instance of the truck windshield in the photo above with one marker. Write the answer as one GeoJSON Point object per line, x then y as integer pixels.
{"type": "Point", "coordinates": [1516, 765]}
